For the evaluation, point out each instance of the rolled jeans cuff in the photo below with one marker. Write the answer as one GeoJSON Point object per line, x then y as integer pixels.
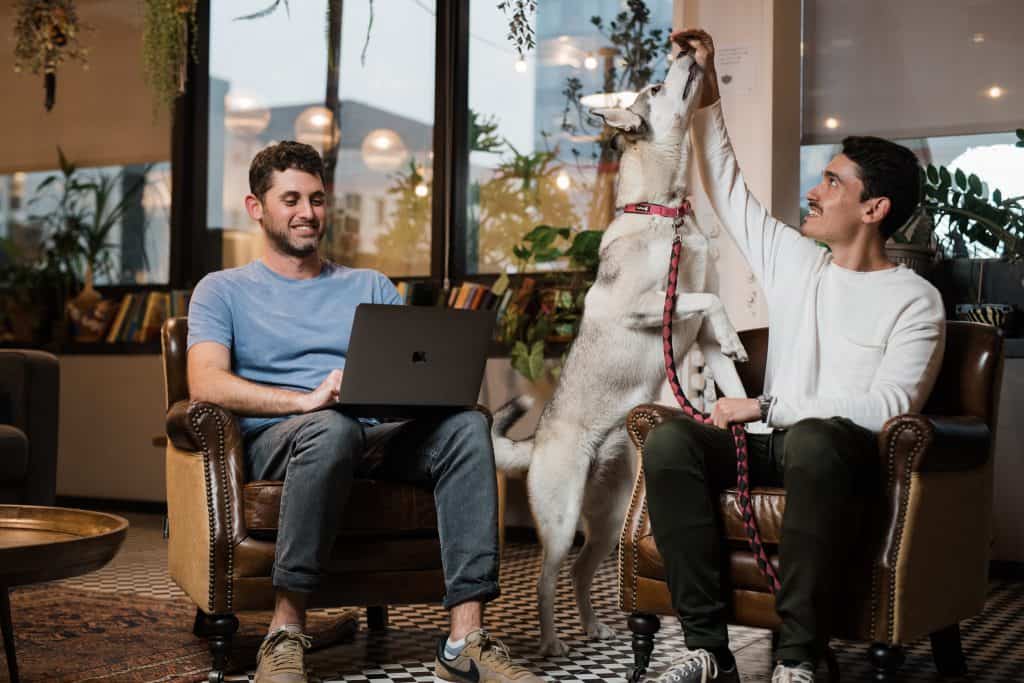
{"type": "Point", "coordinates": [483, 592]}
{"type": "Point", "coordinates": [294, 581]}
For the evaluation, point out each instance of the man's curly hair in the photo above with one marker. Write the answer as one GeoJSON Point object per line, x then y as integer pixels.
{"type": "Point", "coordinates": [281, 157]}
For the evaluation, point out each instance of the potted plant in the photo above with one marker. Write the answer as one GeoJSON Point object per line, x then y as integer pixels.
{"type": "Point", "coordinates": [551, 316]}
{"type": "Point", "coordinates": [978, 216]}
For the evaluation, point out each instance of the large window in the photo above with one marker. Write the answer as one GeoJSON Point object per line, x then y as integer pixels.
{"type": "Point", "coordinates": [373, 123]}
{"type": "Point", "coordinates": [534, 154]}
{"type": "Point", "coordinates": [993, 157]}
{"type": "Point", "coordinates": [947, 88]}
{"type": "Point", "coordinates": [118, 217]}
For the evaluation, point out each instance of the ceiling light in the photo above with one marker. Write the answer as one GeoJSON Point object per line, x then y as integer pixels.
{"type": "Point", "coordinates": [245, 113]}
{"type": "Point", "coordinates": [978, 38]}
{"type": "Point", "coordinates": [590, 62]}
{"type": "Point", "coordinates": [315, 126]}
{"type": "Point", "coordinates": [383, 150]}
{"type": "Point", "coordinates": [832, 122]}
{"type": "Point", "coordinates": [995, 92]}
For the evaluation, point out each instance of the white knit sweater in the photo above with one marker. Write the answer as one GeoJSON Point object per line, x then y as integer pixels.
{"type": "Point", "coordinates": [862, 345]}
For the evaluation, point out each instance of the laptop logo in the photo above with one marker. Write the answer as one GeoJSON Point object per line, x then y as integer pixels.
{"type": "Point", "coordinates": [419, 357]}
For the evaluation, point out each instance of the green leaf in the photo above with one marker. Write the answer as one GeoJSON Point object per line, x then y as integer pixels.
{"type": "Point", "coordinates": [961, 179]}
{"type": "Point", "coordinates": [974, 184]}
{"type": "Point", "coordinates": [933, 174]}
{"type": "Point", "coordinates": [997, 196]}
{"type": "Point", "coordinates": [536, 362]}
{"type": "Point", "coordinates": [1020, 134]}
{"type": "Point", "coordinates": [945, 180]}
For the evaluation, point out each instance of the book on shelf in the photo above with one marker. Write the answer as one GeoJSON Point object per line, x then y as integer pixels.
{"type": "Point", "coordinates": [122, 312]}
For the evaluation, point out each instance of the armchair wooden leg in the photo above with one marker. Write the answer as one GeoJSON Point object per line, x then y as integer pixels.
{"type": "Point", "coordinates": [948, 652]}
{"type": "Point", "coordinates": [886, 659]}
{"type": "Point", "coordinates": [377, 618]}
{"type": "Point", "coordinates": [644, 627]}
{"type": "Point", "coordinates": [220, 630]}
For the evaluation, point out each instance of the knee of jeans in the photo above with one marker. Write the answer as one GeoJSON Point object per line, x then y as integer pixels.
{"type": "Point", "coordinates": [472, 424]}
{"type": "Point", "coordinates": [812, 446]}
{"type": "Point", "coordinates": [337, 438]}
{"type": "Point", "coordinates": [668, 444]}
{"type": "Point", "coordinates": [470, 431]}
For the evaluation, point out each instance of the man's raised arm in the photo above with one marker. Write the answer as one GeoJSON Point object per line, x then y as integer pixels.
{"type": "Point", "coordinates": [768, 244]}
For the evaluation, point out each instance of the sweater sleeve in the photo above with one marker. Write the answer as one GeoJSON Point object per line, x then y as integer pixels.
{"type": "Point", "coordinates": [904, 379]}
{"type": "Point", "coordinates": [771, 247]}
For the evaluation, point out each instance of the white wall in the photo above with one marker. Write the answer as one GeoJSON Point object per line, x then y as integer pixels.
{"type": "Point", "coordinates": [111, 407]}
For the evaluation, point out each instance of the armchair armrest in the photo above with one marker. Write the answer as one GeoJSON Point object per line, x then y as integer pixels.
{"type": "Point", "coordinates": [932, 443]}
{"type": "Point", "coordinates": [210, 431]}
{"type": "Point", "coordinates": [645, 417]}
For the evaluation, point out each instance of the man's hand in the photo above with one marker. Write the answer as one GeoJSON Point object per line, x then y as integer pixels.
{"type": "Point", "coordinates": [728, 411]}
{"type": "Point", "coordinates": [699, 42]}
{"type": "Point", "coordinates": [324, 396]}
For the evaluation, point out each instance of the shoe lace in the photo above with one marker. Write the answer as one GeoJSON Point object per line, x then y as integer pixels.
{"type": "Point", "coordinates": [492, 649]}
{"type": "Point", "coordinates": [284, 649]}
{"type": "Point", "coordinates": [692, 662]}
{"type": "Point", "coordinates": [792, 674]}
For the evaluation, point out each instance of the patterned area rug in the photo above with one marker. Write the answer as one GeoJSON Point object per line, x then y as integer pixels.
{"type": "Point", "coordinates": [129, 622]}
{"type": "Point", "coordinates": [65, 634]}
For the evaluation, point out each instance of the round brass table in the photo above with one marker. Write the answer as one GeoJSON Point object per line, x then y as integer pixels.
{"type": "Point", "coordinates": [46, 543]}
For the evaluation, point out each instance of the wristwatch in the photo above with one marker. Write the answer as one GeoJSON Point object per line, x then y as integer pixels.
{"type": "Point", "coordinates": [764, 402]}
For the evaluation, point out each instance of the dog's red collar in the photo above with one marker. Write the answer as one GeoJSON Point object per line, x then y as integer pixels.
{"type": "Point", "coordinates": [649, 209]}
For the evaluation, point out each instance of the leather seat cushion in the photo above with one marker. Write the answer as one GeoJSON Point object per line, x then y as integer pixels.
{"type": "Point", "coordinates": [373, 506]}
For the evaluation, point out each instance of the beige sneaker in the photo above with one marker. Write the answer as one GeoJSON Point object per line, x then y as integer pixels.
{"type": "Point", "coordinates": [280, 659]}
{"type": "Point", "coordinates": [483, 660]}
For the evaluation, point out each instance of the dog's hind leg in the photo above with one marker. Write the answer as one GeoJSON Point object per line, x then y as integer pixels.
{"type": "Point", "coordinates": [604, 509]}
{"type": "Point", "coordinates": [556, 483]}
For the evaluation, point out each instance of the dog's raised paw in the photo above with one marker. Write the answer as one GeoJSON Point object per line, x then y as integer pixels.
{"type": "Point", "coordinates": [600, 631]}
{"type": "Point", "coordinates": [553, 648]}
{"type": "Point", "coordinates": [735, 351]}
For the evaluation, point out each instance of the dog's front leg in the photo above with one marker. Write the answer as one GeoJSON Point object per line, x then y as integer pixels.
{"type": "Point", "coordinates": [649, 311]}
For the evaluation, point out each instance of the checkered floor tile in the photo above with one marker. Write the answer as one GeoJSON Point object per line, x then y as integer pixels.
{"type": "Point", "coordinates": [994, 642]}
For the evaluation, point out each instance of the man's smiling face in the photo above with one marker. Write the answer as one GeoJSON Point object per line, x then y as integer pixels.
{"type": "Point", "coordinates": [293, 212]}
{"type": "Point", "coordinates": [836, 208]}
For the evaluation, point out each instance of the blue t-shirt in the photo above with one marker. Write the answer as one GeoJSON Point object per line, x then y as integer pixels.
{"type": "Point", "coordinates": [283, 332]}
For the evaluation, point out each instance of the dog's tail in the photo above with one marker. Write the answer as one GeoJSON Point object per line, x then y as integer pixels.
{"type": "Point", "coordinates": [511, 456]}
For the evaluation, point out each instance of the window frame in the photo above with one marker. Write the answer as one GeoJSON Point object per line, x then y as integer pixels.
{"type": "Point", "coordinates": [194, 253]}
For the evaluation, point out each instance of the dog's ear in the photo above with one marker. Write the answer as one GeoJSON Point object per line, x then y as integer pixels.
{"type": "Point", "coordinates": [621, 119]}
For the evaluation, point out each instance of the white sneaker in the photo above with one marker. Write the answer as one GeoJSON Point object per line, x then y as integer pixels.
{"type": "Point", "coordinates": [801, 673]}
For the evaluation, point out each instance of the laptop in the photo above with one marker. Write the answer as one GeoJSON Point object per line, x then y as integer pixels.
{"type": "Point", "coordinates": [414, 361]}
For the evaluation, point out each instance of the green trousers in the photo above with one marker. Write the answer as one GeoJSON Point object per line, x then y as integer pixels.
{"type": "Point", "coordinates": [822, 464]}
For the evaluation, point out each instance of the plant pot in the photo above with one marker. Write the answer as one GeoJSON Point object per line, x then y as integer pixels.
{"type": "Point", "coordinates": [921, 259]}
{"type": "Point", "coordinates": [997, 315]}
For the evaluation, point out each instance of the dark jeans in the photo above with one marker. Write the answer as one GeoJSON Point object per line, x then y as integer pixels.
{"type": "Point", "coordinates": [319, 454]}
{"type": "Point", "coordinates": [822, 464]}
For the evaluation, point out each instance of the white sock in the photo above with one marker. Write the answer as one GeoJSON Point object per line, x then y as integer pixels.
{"type": "Point", "coordinates": [293, 628]}
{"type": "Point", "coordinates": [452, 649]}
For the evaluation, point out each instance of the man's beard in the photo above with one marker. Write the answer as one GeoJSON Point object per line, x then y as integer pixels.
{"type": "Point", "coordinates": [279, 239]}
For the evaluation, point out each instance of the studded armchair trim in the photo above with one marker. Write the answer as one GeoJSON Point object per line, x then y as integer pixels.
{"type": "Point", "coordinates": [213, 433]}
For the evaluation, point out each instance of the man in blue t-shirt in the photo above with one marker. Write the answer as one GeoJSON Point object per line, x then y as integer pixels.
{"type": "Point", "coordinates": [268, 342]}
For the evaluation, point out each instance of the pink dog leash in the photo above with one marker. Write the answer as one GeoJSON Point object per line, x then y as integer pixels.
{"type": "Point", "coordinates": [739, 435]}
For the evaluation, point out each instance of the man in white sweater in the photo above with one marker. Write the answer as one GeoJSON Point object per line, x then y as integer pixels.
{"type": "Point", "coordinates": [854, 340]}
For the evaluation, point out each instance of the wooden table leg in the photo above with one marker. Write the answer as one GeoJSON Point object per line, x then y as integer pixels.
{"type": "Point", "coordinates": [8, 630]}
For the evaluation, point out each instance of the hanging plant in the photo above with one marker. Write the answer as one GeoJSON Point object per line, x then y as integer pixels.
{"type": "Point", "coordinates": [165, 47]}
{"type": "Point", "coordinates": [520, 31]}
{"type": "Point", "coordinates": [46, 34]}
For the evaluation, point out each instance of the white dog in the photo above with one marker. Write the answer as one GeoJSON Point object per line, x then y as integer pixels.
{"type": "Point", "coordinates": [578, 460]}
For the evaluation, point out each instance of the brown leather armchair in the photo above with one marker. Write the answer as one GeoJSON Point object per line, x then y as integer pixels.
{"type": "Point", "coordinates": [222, 529]}
{"type": "Point", "coordinates": [29, 407]}
{"type": "Point", "coordinates": [920, 564]}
